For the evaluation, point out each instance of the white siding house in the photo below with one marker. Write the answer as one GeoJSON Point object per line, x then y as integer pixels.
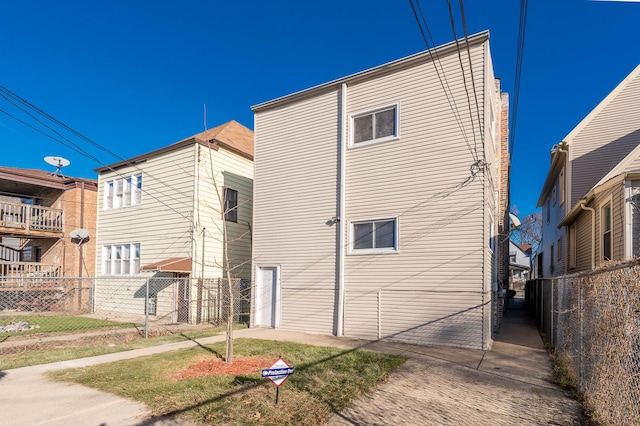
{"type": "Point", "coordinates": [376, 202]}
{"type": "Point", "coordinates": [588, 198]}
{"type": "Point", "coordinates": [161, 214]}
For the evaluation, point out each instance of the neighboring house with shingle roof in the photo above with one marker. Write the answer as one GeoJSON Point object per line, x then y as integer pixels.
{"type": "Point", "coordinates": [38, 211]}
{"type": "Point", "coordinates": [161, 214]}
{"type": "Point", "coordinates": [590, 198]}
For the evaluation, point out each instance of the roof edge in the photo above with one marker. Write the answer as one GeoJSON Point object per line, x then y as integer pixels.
{"type": "Point", "coordinates": [474, 39]}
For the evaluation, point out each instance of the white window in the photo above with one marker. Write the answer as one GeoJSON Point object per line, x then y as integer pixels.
{"type": "Point", "coordinates": [108, 195]}
{"type": "Point", "coordinates": [117, 201]}
{"type": "Point", "coordinates": [374, 236]}
{"type": "Point", "coordinates": [121, 259]}
{"type": "Point", "coordinates": [373, 126]}
{"type": "Point", "coordinates": [123, 192]}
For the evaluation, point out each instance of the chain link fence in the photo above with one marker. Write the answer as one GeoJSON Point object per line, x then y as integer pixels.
{"type": "Point", "coordinates": [593, 322]}
{"type": "Point", "coordinates": [37, 310]}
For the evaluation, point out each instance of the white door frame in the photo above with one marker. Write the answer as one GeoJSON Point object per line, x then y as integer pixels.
{"type": "Point", "coordinates": [276, 296]}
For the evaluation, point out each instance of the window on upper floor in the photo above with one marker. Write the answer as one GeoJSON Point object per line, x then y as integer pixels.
{"type": "Point", "coordinates": [124, 191]}
{"type": "Point", "coordinates": [376, 125]}
{"type": "Point", "coordinates": [554, 194]}
{"type": "Point", "coordinates": [374, 236]}
{"type": "Point", "coordinates": [572, 246]}
{"type": "Point", "coordinates": [551, 259]}
{"type": "Point", "coordinates": [559, 249]}
{"type": "Point", "coordinates": [121, 259]}
{"type": "Point", "coordinates": [230, 205]}
{"type": "Point", "coordinates": [561, 186]}
{"type": "Point", "coordinates": [605, 219]}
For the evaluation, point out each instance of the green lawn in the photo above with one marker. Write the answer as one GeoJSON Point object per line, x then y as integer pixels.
{"type": "Point", "coordinates": [55, 324]}
{"type": "Point", "coordinates": [325, 381]}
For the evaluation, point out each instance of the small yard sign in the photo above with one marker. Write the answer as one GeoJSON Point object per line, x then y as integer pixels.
{"type": "Point", "coordinates": [278, 373]}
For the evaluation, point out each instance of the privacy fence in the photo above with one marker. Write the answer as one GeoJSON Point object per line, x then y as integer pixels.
{"type": "Point", "coordinates": [33, 308]}
{"type": "Point", "coordinates": [593, 322]}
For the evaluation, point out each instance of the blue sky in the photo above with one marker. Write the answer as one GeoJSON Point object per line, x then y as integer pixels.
{"type": "Point", "coordinates": [134, 75]}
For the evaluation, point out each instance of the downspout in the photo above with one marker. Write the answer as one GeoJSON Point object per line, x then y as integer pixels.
{"type": "Point", "coordinates": [341, 215]}
{"type": "Point", "coordinates": [593, 232]}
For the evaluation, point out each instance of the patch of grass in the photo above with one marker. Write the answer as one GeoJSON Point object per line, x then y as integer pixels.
{"type": "Point", "coordinates": [82, 347]}
{"type": "Point", "coordinates": [55, 324]}
{"type": "Point", "coordinates": [325, 381]}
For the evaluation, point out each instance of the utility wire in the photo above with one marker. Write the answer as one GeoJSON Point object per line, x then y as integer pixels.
{"type": "Point", "coordinates": [464, 78]}
{"type": "Point", "coordinates": [441, 74]}
{"type": "Point", "coordinates": [518, 74]}
{"type": "Point", "coordinates": [473, 79]}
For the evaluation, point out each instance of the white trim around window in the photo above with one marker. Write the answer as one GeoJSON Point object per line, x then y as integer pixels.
{"type": "Point", "coordinates": [380, 235]}
{"type": "Point", "coordinates": [121, 259]}
{"type": "Point", "coordinates": [374, 126]}
{"type": "Point", "coordinates": [124, 191]}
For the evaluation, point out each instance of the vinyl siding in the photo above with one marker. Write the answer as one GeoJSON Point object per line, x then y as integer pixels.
{"type": "Point", "coordinates": [605, 140]}
{"type": "Point", "coordinates": [615, 195]}
{"type": "Point", "coordinates": [295, 195]}
{"type": "Point", "coordinates": [437, 288]}
{"type": "Point", "coordinates": [635, 219]}
{"type": "Point", "coordinates": [235, 172]}
{"type": "Point", "coordinates": [162, 224]}
{"type": "Point", "coordinates": [584, 241]}
{"type": "Point", "coordinates": [432, 290]}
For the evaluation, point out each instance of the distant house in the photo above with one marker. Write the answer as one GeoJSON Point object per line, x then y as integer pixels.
{"type": "Point", "coordinates": [38, 212]}
{"type": "Point", "coordinates": [519, 263]}
{"type": "Point", "coordinates": [590, 196]}
{"type": "Point", "coordinates": [161, 215]}
{"type": "Point", "coordinates": [380, 206]}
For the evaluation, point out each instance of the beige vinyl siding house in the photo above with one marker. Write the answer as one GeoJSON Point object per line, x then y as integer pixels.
{"type": "Point", "coordinates": [161, 215]}
{"type": "Point", "coordinates": [391, 204]}
{"type": "Point", "coordinates": [600, 159]}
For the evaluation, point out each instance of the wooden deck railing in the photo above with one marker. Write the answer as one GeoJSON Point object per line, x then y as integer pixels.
{"type": "Point", "coordinates": [28, 269]}
{"type": "Point", "coordinates": [28, 217]}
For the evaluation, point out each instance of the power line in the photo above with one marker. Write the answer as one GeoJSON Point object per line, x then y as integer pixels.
{"type": "Point", "coordinates": [464, 78]}
{"type": "Point", "coordinates": [442, 78]}
{"type": "Point", "coordinates": [518, 74]}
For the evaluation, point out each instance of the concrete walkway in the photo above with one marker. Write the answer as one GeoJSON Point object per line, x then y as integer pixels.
{"type": "Point", "coordinates": [436, 386]}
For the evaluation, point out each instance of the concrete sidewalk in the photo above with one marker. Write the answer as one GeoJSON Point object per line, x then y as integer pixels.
{"type": "Point", "coordinates": [437, 386]}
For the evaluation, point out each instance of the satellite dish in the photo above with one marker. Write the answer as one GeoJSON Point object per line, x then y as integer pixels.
{"type": "Point", "coordinates": [58, 162]}
{"type": "Point", "coordinates": [79, 234]}
{"type": "Point", "coordinates": [514, 220]}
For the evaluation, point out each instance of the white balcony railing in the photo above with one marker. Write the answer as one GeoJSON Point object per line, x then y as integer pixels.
{"type": "Point", "coordinates": [27, 217]}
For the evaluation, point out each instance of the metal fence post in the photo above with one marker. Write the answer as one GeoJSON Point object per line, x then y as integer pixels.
{"type": "Point", "coordinates": [146, 310]}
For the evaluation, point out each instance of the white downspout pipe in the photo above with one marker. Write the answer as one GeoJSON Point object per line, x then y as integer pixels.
{"type": "Point", "coordinates": [593, 232]}
{"type": "Point", "coordinates": [341, 218]}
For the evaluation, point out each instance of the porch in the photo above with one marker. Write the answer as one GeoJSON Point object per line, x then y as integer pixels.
{"type": "Point", "coordinates": [28, 220]}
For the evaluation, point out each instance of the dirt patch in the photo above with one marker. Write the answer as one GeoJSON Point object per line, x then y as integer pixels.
{"type": "Point", "coordinates": [216, 366]}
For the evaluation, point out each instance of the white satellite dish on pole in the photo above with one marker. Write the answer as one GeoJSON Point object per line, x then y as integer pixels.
{"type": "Point", "coordinates": [79, 235]}
{"type": "Point", "coordinates": [58, 162]}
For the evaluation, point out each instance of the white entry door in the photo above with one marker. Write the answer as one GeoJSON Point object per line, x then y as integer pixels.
{"type": "Point", "coordinates": [267, 290]}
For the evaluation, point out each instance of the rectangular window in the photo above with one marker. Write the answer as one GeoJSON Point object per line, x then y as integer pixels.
{"type": "Point", "coordinates": [572, 246]}
{"type": "Point", "coordinates": [559, 249]}
{"type": "Point", "coordinates": [554, 194]}
{"type": "Point", "coordinates": [126, 199]}
{"type": "Point", "coordinates": [137, 189]}
{"type": "Point", "coordinates": [374, 236]}
{"type": "Point", "coordinates": [561, 186]}
{"type": "Point", "coordinates": [123, 192]}
{"type": "Point", "coordinates": [121, 259]}
{"type": "Point", "coordinates": [606, 232]}
{"type": "Point", "coordinates": [230, 205]}
{"type": "Point", "coordinates": [108, 195]}
{"type": "Point", "coordinates": [551, 259]}
{"type": "Point", "coordinates": [117, 201]}
{"type": "Point", "coordinates": [374, 126]}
